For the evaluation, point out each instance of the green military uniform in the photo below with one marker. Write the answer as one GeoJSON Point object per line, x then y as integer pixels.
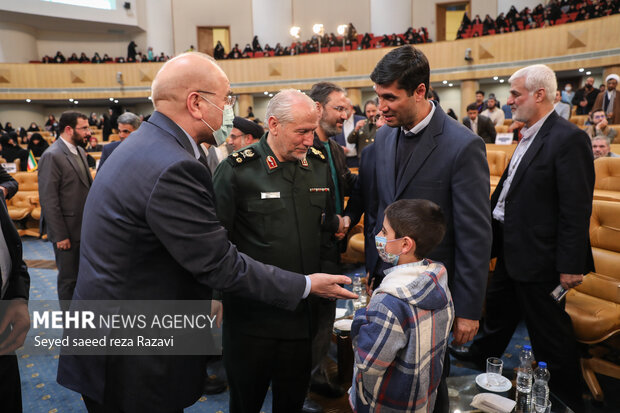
{"type": "Point", "coordinates": [273, 212]}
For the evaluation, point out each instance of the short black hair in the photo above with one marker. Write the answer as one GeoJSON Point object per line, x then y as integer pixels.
{"type": "Point", "coordinates": [420, 220]}
{"type": "Point", "coordinates": [405, 65]}
{"type": "Point", "coordinates": [472, 106]}
{"type": "Point", "coordinates": [69, 118]}
{"type": "Point", "coordinates": [320, 91]}
{"type": "Point", "coordinates": [480, 91]}
{"type": "Point", "coordinates": [370, 102]}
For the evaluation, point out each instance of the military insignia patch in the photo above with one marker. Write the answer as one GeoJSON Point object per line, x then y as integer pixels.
{"type": "Point", "coordinates": [314, 151]}
{"type": "Point", "coordinates": [248, 153]}
{"type": "Point", "coordinates": [304, 162]}
{"type": "Point", "coordinates": [242, 156]}
{"type": "Point", "coordinates": [271, 162]}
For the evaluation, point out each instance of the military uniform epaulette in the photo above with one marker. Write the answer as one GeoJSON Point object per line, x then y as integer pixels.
{"type": "Point", "coordinates": [242, 156]}
{"type": "Point", "coordinates": [316, 153]}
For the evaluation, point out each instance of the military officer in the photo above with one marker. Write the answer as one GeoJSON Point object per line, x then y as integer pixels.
{"type": "Point", "coordinates": [272, 197]}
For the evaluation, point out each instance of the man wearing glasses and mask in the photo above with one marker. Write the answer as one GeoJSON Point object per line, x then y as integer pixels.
{"type": "Point", "coordinates": [151, 233]}
{"type": "Point", "coordinates": [64, 182]}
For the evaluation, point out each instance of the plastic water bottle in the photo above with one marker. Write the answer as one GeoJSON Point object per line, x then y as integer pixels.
{"type": "Point", "coordinates": [358, 289]}
{"type": "Point", "coordinates": [540, 390]}
{"type": "Point", "coordinates": [524, 374]}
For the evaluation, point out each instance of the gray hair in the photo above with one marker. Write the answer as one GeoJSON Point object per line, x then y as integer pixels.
{"type": "Point", "coordinates": [602, 138]}
{"type": "Point", "coordinates": [538, 77]}
{"type": "Point", "coordinates": [280, 106]}
{"type": "Point", "coordinates": [129, 118]}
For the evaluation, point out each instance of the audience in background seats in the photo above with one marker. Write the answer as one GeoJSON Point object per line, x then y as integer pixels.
{"type": "Point", "coordinates": [600, 126]}
{"type": "Point", "coordinates": [11, 150]}
{"type": "Point", "coordinates": [562, 108]}
{"type": "Point", "coordinates": [601, 148]}
{"type": "Point", "coordinates": [493, 112]}
{"type": "Point", "coordinates": [585, 97]}
{"type": "Point", "coordinates": [34, 127]}
{"type": "Point", "coordinates": [607, 100]}
{"type": "Point", "coordinates": [479, 124]}
{"type": "Point", "coordinates": [37, 144]}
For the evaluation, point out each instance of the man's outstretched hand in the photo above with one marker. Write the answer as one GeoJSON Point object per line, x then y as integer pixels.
{"type": "Point", "coordinates": [326, 286]}
{"type": "Point", "coordinates": [16, 316]}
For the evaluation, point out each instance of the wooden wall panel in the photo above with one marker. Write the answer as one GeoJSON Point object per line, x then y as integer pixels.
{"type": "Point", "coordinates": [569, 46]}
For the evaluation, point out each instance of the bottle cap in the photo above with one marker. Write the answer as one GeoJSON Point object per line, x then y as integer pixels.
{"type": "Point", "coordinates": [542, 364]}
{"type": "Point", "coordinates": [527, 347]}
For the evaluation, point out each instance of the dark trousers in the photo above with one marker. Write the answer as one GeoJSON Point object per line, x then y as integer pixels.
{"type": "Point", "coordinates": [323, 314]}
{"type": "Point", "coordinates": [253, 362]}
{"type": "Point", "coordinates": [10, 385]}
{"type": "Point", "coordinates": [67, 262]}
{"type": "Point", "coordinates": [94, 407]}
{"type": "Point", "coordinates": [549, 326]}
{"type": "Point", "coordinates": [353, 161]}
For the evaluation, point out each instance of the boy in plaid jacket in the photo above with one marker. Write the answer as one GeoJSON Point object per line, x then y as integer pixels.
{"type": "Point", "coordinates": [400, 340]}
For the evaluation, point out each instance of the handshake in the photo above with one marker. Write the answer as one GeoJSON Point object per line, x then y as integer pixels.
{"type": "Point", "coordinates": [343, 227]}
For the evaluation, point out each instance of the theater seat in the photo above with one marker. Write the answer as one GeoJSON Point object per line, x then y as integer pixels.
{"type": "Point", "coordinates": [28, 181]}
{"type": "Point", "coordinates": [594, 306]}
{"type": "Point", "coordinates": [497, 164]}
{"type": "Point", "coordinates": [579, 120]}
{"type": "Point", "coordinates": [20, 205]}
{"type": "Point", "coordinates": [607, 183]}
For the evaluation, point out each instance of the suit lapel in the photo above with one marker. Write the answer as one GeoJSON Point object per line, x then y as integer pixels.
{"type": "Point", "coordinates": [387, 162]}
{"type": "Point", "coordinates": [82, 153]}
{"type": "Point", "coordinates": [73, 162]}
{"type": "Point", "coordinates": [422, 151]}
{"type": "Point", "coordinates": [534, 148]}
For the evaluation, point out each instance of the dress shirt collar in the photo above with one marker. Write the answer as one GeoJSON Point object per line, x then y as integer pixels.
{"type": "Point", "coordinates": [424, 123]}
{"type": "Point", "coordinates": [72, 147]}
{"type": "Point", "coordinates": [192, 142]}
{"type": "Point", "coordinates": [530, 132]}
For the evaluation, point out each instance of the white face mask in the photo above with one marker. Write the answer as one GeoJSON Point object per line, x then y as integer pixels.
{"type": "Point", "coordinates": [568, 88]}
{"type": "Point", "coordinates": [228, 115]}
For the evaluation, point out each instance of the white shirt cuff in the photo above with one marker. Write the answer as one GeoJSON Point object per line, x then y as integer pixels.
{"type": "Point", "coordinates": [308, 287]}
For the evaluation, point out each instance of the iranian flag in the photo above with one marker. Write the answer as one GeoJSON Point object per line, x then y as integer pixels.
{"type": "Point", "coordinates": [32, 162]}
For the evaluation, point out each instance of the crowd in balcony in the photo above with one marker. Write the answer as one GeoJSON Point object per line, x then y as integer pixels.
{"type": "Point", "coordinates": [329, 42]}
{"type": "Point", "coordinates": [555, 12]}
{"type": "Point", "coordinates": [133, 56]}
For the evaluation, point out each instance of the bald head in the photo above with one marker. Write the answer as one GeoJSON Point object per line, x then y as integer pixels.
{"type": "Point", "coordinates": [191, 90]}
{"type": "Point", "coordinates": [183, 74]}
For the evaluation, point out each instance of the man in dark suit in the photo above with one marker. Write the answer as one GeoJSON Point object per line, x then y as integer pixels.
{"type": "Point", "coordinates": [14, 289]}
{"type": "Point", "coordinates": [541, 215]}
{"type": "Point", "coordinates": [480, 125]}
{"type": "Point", "coordinates": [127, 123]}
{"type": "Point", "coordinates": [64, 181]}
{"type": "Point", "coordinates": [348, 126]}
{"type": "Point", "coordinates": [160, 227]}
{"type": "Point", "coordinates": [423, 153]}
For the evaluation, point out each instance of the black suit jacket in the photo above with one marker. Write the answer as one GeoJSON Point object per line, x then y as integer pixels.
{"type": "Point", "coordinates": [107, 151]}
{"type": "Point", "coordinates": [154, 235]}
{"type": "Point", "coordinates": [486, 129]}
{"type": "Point", "coordinates": [340, 138]}
{"type": "Point", "coordinates": [548, 206]}
{"type": "Point", "coordinates": [19, 280]}
{"type": "Point", "coordinates": [448, 167]}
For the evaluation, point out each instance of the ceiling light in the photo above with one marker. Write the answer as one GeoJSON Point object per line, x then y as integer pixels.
{"type": "Point", "coordinates": [588, 73]}
{"type": "Point", "coordinates": [150, 98]}
{"type": "Point", "coordinates": [495, 77]}
{"type": "Point", "coordinates": [450, 84]}
{"type": "Point", "coordinates": [581, 69]}
{"type": "Point", "coordinates": [115, 100]}
{"type": "Point", "coordinates": [265, 92]}
{"type": "Point", "coordinates": [271, 95]}
{"type": "Point", "coordinates": [342, 29]}
{"type": "Point", "coordinates": [76, 102]}
{"type": "Point", "coordinates": [28, 100]}
{"type": "Point", "coordinates": [501, 81]}
{"type": "Point", "coordinates": [111, 99]}
{"type": "Point", "coordinates": [445, 82]}
{"type": "Point", "coordinates": [71, 100]}
{"type": "Point", "coordinates": [318, 29]}
{"type": "Point", "coordinates": [295, 31]}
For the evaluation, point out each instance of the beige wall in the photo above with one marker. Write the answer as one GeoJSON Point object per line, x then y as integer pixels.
{"type": "Point", "coordinates": [331, 14]}
{"type": "Point", "coordinates": [18, 43]}
{"type": "Point", "coordinates": [187, 15]}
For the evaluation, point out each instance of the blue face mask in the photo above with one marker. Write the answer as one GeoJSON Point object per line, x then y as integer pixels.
{"type": "Point", "coordinates": [381, 243]}
{"type": "Point", "coordinates": [228, 115]}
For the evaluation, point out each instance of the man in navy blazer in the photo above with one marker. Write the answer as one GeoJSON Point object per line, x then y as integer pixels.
{"type": "Point", "coordinates": [150, 232]}
{"type": "Point", "coordinates": [541, 217]}
{"type": "Point", "coordinates": [127, 123]}
{"type": "Point", "coordinates": [348, 126]}
{"type": "Point", "coordinates": [423, 153]}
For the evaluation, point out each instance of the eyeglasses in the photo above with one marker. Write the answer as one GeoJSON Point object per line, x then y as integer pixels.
{"type": "Point", "coordinates": [339, 108]}
{"type": "Point", "coordinates": [229, 100]}
{"type": "Point", "coordinates": [83, 128]}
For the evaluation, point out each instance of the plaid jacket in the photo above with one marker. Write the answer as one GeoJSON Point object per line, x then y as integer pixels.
{"type": "Point", "coordinates": [400, 340]}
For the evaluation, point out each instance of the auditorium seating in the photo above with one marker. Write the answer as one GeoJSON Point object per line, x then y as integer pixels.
{"type": "Point", "coordinates": [579, 120]}
{"type": "Point", "coordinates": [594, 306]}
{"type": "Point", "coordinates": [607, 183]}
{"type": "Point", "coordinates": [497, 163]}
